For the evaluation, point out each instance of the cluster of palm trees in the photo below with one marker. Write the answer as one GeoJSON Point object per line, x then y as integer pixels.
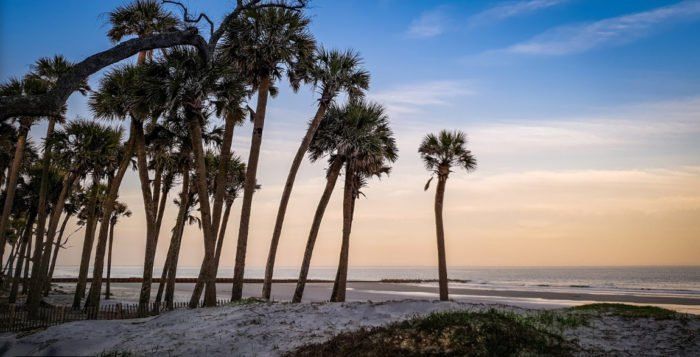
{"type": "Point", "coordinates": [174, 100]}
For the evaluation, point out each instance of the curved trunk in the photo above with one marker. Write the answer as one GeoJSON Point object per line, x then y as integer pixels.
{"type": "Point", "coordinates": [289, 184]}
{"type": "Point", "coordinates": [36, 283]}
{"type": "Point", "coordinates": [338, 294]}
{"type": "Point", "coordinates": [206, 272]}
{"type": "Point", "coordinates": [56, 250]}
{"type": "Point", "coordinates": [107, 226]}
{"type": "Point", "coordinates": [332, 178]}
{"type": "Point", "coordinates": [442, 264]}
{"type": "Point", "coordinates": [27, 260]}
{"type": "Point", "coordinates": [220, 180]}
{"type": "Point", "coordinates": [108, 294]}
{"type": "Point", "coordinates": [22, 258]}
{"type": "Point", "coordinates": [12, 184]}
{"type": "Point", "coordinates": [249, 189]}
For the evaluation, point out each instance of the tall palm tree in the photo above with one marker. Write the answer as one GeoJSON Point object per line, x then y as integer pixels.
{"type": "Point", "coordinates": [47, 70]}
{"type": "Point", "coordinates": [356, 136]}
{"type": "Point", "coordinates": [120, 210]}
{"type": "Point", "coordinates": [16, 87]}
{"type": "Point", "coordinates": [332, 72]}
{"type": "Point", "coordinates": [265, 44]}
{"type": "Point", "coordinates": [441, 153]}
{"type": "Point", "coordinates": [93, 147]}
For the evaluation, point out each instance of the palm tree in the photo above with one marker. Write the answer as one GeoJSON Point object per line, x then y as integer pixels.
{"type": "Point", "coordinates": [16, 87]}
{"type": "Point", "coordinates": [265, 44]}
{"type": "Point", "coordinates": [120, 210]}
{"type": "Point", "coordinates": [441, 153]}
{"type": "Point", "coordinates": [358, 137]}
{"type": "Point", "coordinates": [93, 146]}
{"type": "Point", "coordinates": [48, 71]}
{"type": "Point", "coordinates": [140, 18]}
{"type": "Point", "coordinates": [333, 71]}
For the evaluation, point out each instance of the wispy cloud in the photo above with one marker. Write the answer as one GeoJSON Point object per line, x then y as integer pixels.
{"type": "Point", "coordinates": [511, 9]}
{"type": "Point", "coordinates": [612, 31]}
{"type": "Point", "coordinates": [412, 98]}
{"type": "Point", "coordinates": [428, 24]}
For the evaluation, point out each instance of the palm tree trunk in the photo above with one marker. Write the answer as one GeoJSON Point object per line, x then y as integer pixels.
{"type": "Point", "coordinates": [161, 209]}
{"type": "Point", "coordinates": [339, 286]}
{"type": "Point", "coordinates": [108, 294]}
{"type": "Point", "coordinates": [12, 183]}
{"type": "Point", "coordinates": [141, 162]}
{"type": "Point", "coordinates": [36, 284]}
{"type": "Point", "coordinates": [57, 248]}
{"type": "Point", "coordinates": [249, 189]}
{"type": "Point", "coordinates": [220, 183]}
{"type": "Point", "coordinates": [87, 243]}
{"type": "Point", "coordinates": [442, 264]}
{"type": "Point", "coordinates": [27, 260]}
{"type": "Point", "coordinates": [44, 283]}
{"type": "Point", "coordinates": [22, 258]}
{"type": "Point", "coordinates": [206, 272]}
{"type": "Point", "coordinates": [222, 231]}
{"type": "Point", "coordinates": [182, 211]}
{"type": "Point", "coordinates": [172, 268]}
{"type": "Point", "coordinates": [296, 163]}
{"type": "Point", "coordinates": [333, 173]}
{"type": "Point", "coordinates": [106, 226]}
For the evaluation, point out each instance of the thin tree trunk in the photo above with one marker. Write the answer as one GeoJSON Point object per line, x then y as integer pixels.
{"type": "Point", "coordinates": [182, 211]}
{"type": "Point", "coordinates": [36, 284]}
{"type": "Point", "coordinates": [57, 248]}
{"type": "Point", "coordinates": [27, 260]}
{"type": "Point", "coordinates": [12, 183]}
{"type": "Point", "coordinates": [108, 294]}
{"type": "Point", "coordinates": [177, 240]}
{"type": "Point", "coordinates": [222, 232]}
{"type": "Point", "coordinates": [23, 256]}
{"type": "Point", "coordinates": [106, 226]}
{"type": "Point", "coordinates": [348, 207]}
{"type": "Point", "coordinates": [287, 192]}
{"type": "Point", "coordinates": [332, 178]}
{"type": "Point", "coordinates": [87, 243]}
{"type": "Point", "coordinates": [7, 268]}
{"type": "Point", "coordinates": [206, 272]}
{"type": "Point", "coordinates": [161, 210]}
{"type": "Point", "coordinates": [249, 189]}
{"type": "Point", "coordinates": [442, 263]}
{"type": "Point", "coordinates": [220, 183]}
{"type": "Point", "coordinates": [149, 256]}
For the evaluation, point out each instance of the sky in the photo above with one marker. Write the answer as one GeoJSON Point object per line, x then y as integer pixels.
{"type": "Point", "coordinates": [584, 116]}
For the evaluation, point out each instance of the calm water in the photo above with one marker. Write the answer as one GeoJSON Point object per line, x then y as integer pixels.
{"type": "Point", "coordinates": [672, 280]}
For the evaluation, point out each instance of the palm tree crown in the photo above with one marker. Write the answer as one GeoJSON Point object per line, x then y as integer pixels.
{"type": "Point", "coordinates": [444, 151]}
{"type": "Point", "coordinates": [139, 18]}
{"type": "Point", "coordinates": [335, 71]}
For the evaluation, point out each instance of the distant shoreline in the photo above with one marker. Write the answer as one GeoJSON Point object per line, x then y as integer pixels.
{"type": "Point", "coordinates": [259, 281]}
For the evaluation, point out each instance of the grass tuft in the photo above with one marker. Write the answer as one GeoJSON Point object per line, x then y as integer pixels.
{"type": "Point", "coordinates": [630, 311]}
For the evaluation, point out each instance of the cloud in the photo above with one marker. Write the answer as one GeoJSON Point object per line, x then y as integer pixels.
{"type": "Point", "coordinates": [511, 9]}
{"type": "Point", "coordinates": [428, 24]}
{"type": "Point", "coordinates": [412, 98]}
{"type": "Point", "coordinates": [612, 31]}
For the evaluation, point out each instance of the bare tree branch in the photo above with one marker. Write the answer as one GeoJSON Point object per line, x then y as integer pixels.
{"type": "Point", "coordinates": [187, 18]}
{"type": "Point", "coordinates": [50, 104]}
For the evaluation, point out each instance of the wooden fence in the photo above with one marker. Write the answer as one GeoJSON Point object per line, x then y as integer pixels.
{"type": "Point", "coordinates": [16, 318]}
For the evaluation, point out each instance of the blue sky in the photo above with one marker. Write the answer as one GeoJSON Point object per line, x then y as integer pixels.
{"type": "Point", "coordinates": [584, 100]}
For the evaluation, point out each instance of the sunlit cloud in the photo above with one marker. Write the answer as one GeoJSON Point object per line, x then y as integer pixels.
{"type": "Point", "coordinates": [511, 9]}
{"type": "Point", "coordinates": [414, 97]}
{"type": "Point", "coordinates": [573, 39]}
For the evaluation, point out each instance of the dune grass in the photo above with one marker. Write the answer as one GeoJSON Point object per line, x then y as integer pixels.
{"type": "Point", "coordinates": [448, 333]}
{"type": "Point", "coordinates": [631, 311]}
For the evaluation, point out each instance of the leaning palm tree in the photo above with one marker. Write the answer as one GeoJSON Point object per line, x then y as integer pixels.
{"type": "Point", "coordinates": [265, 44]}
{"type": "Point", "coordinates": [357, 136]}
{"type": "Point", "coordinates": [332, 72]}
{"type": "Point", "coordinates": [441, 153]}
